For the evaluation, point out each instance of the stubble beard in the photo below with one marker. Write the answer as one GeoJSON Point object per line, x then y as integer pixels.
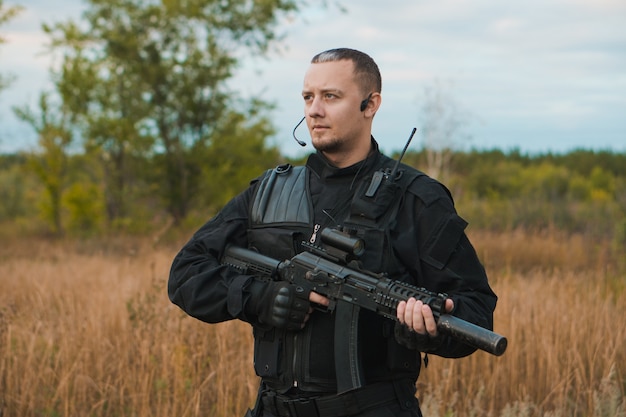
{"type": "Point", "coordinates": [328, 146]}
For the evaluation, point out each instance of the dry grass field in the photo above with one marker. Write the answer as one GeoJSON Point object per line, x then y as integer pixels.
{"type": "Point", "coordinates": [86, 329]}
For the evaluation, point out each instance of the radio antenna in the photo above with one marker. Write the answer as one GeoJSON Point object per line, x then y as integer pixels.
{"type": "Point", "coordinates": [378, 176]}
{"type": "Point", "coordinates": [395, 168]}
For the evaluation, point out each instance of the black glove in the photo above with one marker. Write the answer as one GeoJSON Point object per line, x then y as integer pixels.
{"type": "Point", "coordinates": [278, 304]}
{"type": "Point", "coordinates": [415, 341]}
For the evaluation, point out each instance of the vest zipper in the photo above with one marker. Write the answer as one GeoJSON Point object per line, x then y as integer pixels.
{"type": "Point", "coordinates": [294, 359]}
{"type": "Point", "coordinates": [293, 365]}
{"type": "Point", "coordinates": [313, 238]}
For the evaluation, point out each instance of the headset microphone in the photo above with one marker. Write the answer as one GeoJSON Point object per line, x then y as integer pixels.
{"type": "Point", "coordinates": [300, 142]}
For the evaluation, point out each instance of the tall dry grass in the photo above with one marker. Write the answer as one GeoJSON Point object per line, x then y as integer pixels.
{"type": "Point", "coordinates": [86, 329]}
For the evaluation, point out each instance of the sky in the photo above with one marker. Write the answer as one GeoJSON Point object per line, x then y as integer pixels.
{"type": "Point", "coordinates": [537, 76]}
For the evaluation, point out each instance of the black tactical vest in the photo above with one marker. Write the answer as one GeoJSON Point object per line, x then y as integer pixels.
{"type": "Point", "coordinates": [281, 217]}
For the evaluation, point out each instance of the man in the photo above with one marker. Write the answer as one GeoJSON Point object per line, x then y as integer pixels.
{"type": "Point", "coordinates": [411, 233]}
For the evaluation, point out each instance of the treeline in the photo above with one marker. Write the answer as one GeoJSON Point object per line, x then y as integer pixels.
{"type": "Point", "coordinates": [581, 191]}
{"type": "Point", "coordinates": [73, 196]}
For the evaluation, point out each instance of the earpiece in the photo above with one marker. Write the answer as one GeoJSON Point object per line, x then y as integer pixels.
{"type": "Point", "coordinates": [364, 102]}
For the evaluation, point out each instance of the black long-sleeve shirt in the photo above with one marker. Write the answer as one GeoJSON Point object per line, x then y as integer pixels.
{"type": "Point", "coordinates": [420, 237]}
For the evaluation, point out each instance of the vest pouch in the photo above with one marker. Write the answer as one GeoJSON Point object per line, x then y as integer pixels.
{"type": "Point", "coordinates": [370, 205]}
{"type": "Point", "coordinates": [401, 360]}
{"type": "Point", "coordinates": [266, 353]}
{"type": "Point", "coordinates": [376, 251]}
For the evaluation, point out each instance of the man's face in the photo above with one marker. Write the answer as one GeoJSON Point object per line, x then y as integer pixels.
{"type": "Point", "coordinates": [331, 105]}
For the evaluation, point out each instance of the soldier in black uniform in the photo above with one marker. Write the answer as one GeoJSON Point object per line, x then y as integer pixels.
{"type": "Point", "coordinates": [413, 234]}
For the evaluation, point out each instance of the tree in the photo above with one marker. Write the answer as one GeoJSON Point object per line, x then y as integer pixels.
{"type": "Point", "coordinates": [231, 171]}
{"type": "Point", "coordinates": [50, 161]}
{"type": "Point", "coordinates": [146, 77]}
{"type": "Point", "coordinates": [443, 123]}
{"type": "Point", "coordinates": [6, 14]}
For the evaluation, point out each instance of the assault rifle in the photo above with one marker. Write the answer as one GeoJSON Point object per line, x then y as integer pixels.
{"type": "Point", "coordinates": [333, 271]}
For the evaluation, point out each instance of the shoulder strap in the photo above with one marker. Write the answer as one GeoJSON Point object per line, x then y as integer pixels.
{"type": "Point", "coordinates": [282, 197]}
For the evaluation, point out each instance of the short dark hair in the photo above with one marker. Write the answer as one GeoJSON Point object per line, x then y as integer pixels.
{"type": "Point", "coordinates": [365, 69]}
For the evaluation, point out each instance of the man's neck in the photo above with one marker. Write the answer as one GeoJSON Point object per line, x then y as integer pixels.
{"type": "Point", "coordinates": [343, 159]}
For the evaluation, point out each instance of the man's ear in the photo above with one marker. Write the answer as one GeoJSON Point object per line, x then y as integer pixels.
{"type": "Point", "coordinates": [371, 104]}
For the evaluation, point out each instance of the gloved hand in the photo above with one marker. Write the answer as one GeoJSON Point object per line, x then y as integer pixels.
{"type": "Point", "coordinates": [415, 341]}
{"type": "Point", "coordinates": [279, 304]}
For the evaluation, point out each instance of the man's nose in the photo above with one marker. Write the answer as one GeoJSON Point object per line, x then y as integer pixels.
{"type": "Point", "coordinates": [315, 108]}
